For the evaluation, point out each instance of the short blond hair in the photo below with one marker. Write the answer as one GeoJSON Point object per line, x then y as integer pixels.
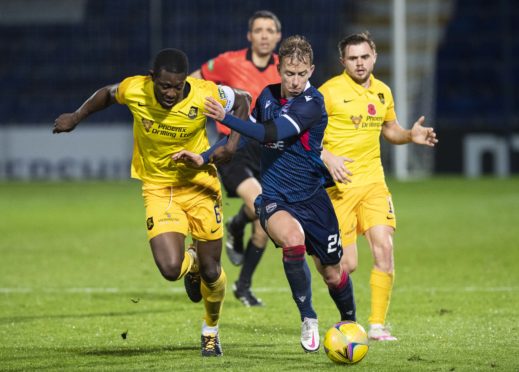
{"type": "Point", "coordinates": [296, 47]}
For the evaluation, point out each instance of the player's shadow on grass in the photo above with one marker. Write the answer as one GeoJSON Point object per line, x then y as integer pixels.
{"type": "Point", "coordinates": [135, 351]}
{"type": "Point", "coordinates": [29, 318]}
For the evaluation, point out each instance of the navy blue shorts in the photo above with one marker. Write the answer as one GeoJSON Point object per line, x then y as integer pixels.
{"type": "Point", "coordinates": [317, 217]}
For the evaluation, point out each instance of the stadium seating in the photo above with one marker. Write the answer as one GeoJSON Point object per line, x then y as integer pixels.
{"type": "Point", "coordinates": [49, 68]}
{"type": "Point", "coordinates": [478, 69]}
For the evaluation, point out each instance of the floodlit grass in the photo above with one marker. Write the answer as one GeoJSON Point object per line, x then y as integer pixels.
{"type": "Point", "coordinates": [76, 274]}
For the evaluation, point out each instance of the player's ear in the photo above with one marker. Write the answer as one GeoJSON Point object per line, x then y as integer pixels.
{"type": "Point", "coordinates": [343, 62]}
{"type": "Point", "coordinates": [312, 68]}
{"type": "Point", "coordinates": [278, 39]}
{"type": "Point", "coordinates": [150, 72]}
{"type": "Point", "coordinates": [374, 57]}
{"type": "Point", "coordinates": [249, 37]}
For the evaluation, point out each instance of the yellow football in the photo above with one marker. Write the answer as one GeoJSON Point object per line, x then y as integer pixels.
{"type": "Point", "coordinates": [346, 342]}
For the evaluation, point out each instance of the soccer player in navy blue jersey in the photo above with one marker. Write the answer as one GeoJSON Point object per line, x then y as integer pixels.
{"type": "Point", "coordinates": [289, 119]}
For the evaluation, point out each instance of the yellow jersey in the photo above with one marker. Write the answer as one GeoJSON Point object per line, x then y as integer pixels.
{"type": "Point", "coordinates": [355, 118]}
{"type": "Point", "coordinates": [160, 132]}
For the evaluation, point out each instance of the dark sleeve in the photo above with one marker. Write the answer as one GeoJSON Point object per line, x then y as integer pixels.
{"type": "Point", "coordinates": [304, 113]}
{"type": "Point", "coordinates": [301, 116]}
{"type": "Point", "coordinates": [206, 155]}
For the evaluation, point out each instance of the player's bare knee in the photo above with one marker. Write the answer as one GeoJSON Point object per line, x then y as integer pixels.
{"type": "Point", "coordinates": [293, 239]}
{"type": "Point", "coordinates": [332, 278]}
{"type": "Point", "coordinates": [384, 259]}
{"type": "Point", "coordinates": [210, 274]}
{"type": "Point", "coordinates": [170, 272]}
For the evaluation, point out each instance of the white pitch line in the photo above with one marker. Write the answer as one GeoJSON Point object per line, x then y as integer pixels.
{"type": "Point", "coordinates": [87, 290]}
{"type": "Point", "coordinates": [457, 289]}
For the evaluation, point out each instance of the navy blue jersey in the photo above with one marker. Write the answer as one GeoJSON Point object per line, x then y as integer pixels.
{"type": "Point", "coordinates": [292, 169]}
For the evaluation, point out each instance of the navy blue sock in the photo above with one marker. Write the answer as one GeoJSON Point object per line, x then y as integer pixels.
{"type": "Point", "coordinates": [343, 297]}
{"type": "Point", "coordinates": [300, 279]}
{"type": "Point", "coordinates": [251, 260]}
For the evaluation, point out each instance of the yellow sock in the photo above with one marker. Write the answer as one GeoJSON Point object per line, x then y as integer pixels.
{"type": "Point", "coordinates": [213, 295]}
{"type": "Point", "coordinates": [381, 284]}
{"type": "Point", "coordinates": [187, 262]}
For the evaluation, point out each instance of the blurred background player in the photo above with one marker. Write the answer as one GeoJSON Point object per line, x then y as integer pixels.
{"type": "Point", "coordinates": [289, 120]}
{"type": "Point", "coordinates": [360, 108]}
{"type": "Point", "coordinates": [167, 110]}
{"type": "Point", "coordinates": [250, 69]}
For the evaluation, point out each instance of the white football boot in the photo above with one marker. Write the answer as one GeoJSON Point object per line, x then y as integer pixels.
{"type": "Point", "coordinates": [310, 335]}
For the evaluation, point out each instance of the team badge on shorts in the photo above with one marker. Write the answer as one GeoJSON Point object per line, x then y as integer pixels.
{"type": "Point", "coordinates": [271, 208]}
{"type": "Point", "coordinates": [149, 223]}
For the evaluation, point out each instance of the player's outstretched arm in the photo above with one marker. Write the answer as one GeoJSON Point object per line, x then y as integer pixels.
{"type": "Point", "coordinates": [100, 100]}
{"type": "Point", "coordinates": [423, 135]}
{"type": "Point", "coordinates": [336, 166]}
{"type": "Point", "coordinates": [395, 134]}
{"type": "Point", "coordinates": [270, 131]}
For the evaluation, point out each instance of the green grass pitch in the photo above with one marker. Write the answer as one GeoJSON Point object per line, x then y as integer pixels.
{"type": "Point", "coordinates": [76, 274]}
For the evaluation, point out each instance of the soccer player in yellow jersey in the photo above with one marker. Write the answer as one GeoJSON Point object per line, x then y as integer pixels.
{"type": "Point", "coordinates": [250, 69]}
{"type": "Point", "coordinates": [360, 108]}
{"type": "Point", "coordinates": [167, 114]}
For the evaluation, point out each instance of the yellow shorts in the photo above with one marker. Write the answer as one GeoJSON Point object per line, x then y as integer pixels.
{"type": "Point", "coordinates": [360, 208]}
{"type": "Point", "coordinates": [191, 209]}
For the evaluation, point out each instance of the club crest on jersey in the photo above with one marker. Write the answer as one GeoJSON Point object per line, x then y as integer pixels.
{"type": "Point", "coordinates": [271, 207]}
{"type": "Point", "coordinates": [356, 120]}
{"type": "Point", "coordinates": [193, 112]}
{"type": "Point", "coordinates": [372, 110]}
{"type": "Point", "coordinates": [381, 98]}
{"type": "Point", "coordinates": [149, 223]}
{"type": "Point", "coordinates": [147, 124]}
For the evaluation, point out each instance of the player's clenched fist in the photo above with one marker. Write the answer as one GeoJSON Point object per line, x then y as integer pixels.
{"type": "Point", "coordinates": [65, 123]}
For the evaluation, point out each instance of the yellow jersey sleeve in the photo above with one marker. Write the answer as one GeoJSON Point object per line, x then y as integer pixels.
{"type": "Point", "coordinates": [222, 93]}
{"type": "Point", "coordinates": [121, 90]}
{"type": "Point", "coordinates": [390, 114]}
{"type": "Point", "coordinates": [327, 99]}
